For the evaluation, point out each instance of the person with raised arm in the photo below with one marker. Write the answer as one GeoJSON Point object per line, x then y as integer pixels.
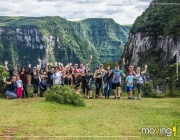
{"type": "Point", "coordinates": [12, 72]}
{"type": "Point", "coordinates": [24, 77]}
{"type": "Point", "coordinates": [82, 66]}
{"type": "Point", "coordinates": [140, 79]}
{"type": "Point", "coordinates": [49, 74]}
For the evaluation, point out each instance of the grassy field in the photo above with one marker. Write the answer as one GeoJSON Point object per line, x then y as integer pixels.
{"type": "Point", "coordinates": [100, 119]}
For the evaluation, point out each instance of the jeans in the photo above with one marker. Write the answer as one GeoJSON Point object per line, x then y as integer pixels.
{"type": "Point", "coordinates": [11, 94]}
{"type": "Point", "coordinates": [42, 91]}
{"type": "Point", "coordinates": [24, 90]}
{"type": "Point", "coordinates": [48, 85]}
{"type": "Point", "coordinates": [107, 89]}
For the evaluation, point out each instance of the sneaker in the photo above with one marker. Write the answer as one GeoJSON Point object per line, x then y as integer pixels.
{"type": "Point", "coordinates": [90, 97]}
{"type": "Point", "coordinates": [114, 97]}
{"type": "Point", "coordinates": [87, 97]}
{"type": "Point", "coordinates": [129, 98]}
{"type": "Point", "coordinates": [97, 96]}
{"type": "Point", "coordinates": [139, 98]}
{"type": "Point", "coordinates": [118, 98]}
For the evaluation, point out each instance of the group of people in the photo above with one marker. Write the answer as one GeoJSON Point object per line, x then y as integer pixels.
{"type": "Point", "coordinates": [78, 77]}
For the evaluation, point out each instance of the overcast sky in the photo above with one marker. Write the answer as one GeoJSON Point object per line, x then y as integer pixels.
{"type": "Point", "coordinates": [122, 11]}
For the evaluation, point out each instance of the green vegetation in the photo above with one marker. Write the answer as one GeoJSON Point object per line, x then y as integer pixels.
{"type": "Point", "coordinates": [148, 90]}
{"type": "Point", "coordinates": [3, 73]}
{"type": "Point", "coordinates": [105, 35]}
{"type": "Point", "coordinates": [57, 39]}
{"type": "Point", "coordinates": [101, 117]}
{"type": "Point", "coordinates": [64, 95]}
{"type": "Point", "coordinates": [161, 19]}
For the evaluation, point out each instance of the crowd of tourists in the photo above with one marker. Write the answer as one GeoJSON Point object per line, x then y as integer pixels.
{"type": "Point", "coordinates": [78, 77]}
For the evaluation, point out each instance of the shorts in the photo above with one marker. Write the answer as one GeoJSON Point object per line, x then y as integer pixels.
{"type": "Point", "coordinates": [114, 85]}
{"type": "Point", "coordinates": [88, 87]}
{"type": "Point", "coordinates": [129, 88]}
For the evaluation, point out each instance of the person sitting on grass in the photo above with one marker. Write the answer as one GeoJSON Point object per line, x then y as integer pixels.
{"type": "Point", "coordinates": [10, 93]}
{"type": "Point", "coordinates": [130, 81]}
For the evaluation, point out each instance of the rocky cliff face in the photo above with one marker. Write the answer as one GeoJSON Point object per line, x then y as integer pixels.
{"type": "Point", "coordinates": [155, 37]}
{"type": "Point", "coordinates": [139, 43]}
{"type": "Point", "coordinates": [25, 39]}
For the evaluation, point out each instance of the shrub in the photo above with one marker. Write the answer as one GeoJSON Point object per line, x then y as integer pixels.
{"type": "Point", "coordinates": [148, 90]}
{"type": "Point", "coordinates": [3, 73]}
{"type": "Point", "coordinates": [64, 95]}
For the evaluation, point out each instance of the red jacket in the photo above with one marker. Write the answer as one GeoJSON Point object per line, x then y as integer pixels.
{"type": "Point", "coordinates": [25, 75]}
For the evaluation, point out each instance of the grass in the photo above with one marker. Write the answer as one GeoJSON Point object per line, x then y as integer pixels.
{"type": "Point", "coordinates": [101, 117]}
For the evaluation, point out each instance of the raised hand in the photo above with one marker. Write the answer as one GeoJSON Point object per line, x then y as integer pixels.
{"type": "Point", "coordinates": [59, 63]}
{"type": "Point", "coordinates": [70, 63]}
{"type": "Point", "coordinates": [39, 60]}
{"type": "Point", "coordinates": [55, 63]}
{"type": "Point", "coordinates": [123, 60]}
{"type": "Point", "coordinates": [50, 63]}
{"type": "Point", "coordinates": [29, 65]}
{"type": "Point", "coordinates": [47, 64]}
{"type": "Point", "coordinates": [91, 56]}
{"type": "Point", "coordinates": [146, 66]}
{"type": "Point", "coordinates": [6, 62]}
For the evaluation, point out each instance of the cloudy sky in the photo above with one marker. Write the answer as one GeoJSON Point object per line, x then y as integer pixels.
{"type": "Point", "coordinates": [122, 11]}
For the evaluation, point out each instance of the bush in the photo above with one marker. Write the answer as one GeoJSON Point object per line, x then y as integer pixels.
{"type": "Point", "coordinates": [3, 73]}
{"type": "Point", "coordinates": [148, 90]}
{"type": "Point", "coordinates": [64, 95]}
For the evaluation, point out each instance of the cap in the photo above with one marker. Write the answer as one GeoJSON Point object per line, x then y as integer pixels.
{"type": "Point", "coordinates": [89, 70]}
{"type": "Point", "coordinates": [97, 67]}
{"type": "Point", "coordinates": [76, 71]}
{"type": "Point", "coordinates": [34, 67]}
{"type": "Point", "coordinates": [101, 64]}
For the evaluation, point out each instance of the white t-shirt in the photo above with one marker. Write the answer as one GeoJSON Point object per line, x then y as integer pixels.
{"type": "Point", "coordinates": [19, 83]}
{"type": "Point", "coordinates": [57, 77]}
